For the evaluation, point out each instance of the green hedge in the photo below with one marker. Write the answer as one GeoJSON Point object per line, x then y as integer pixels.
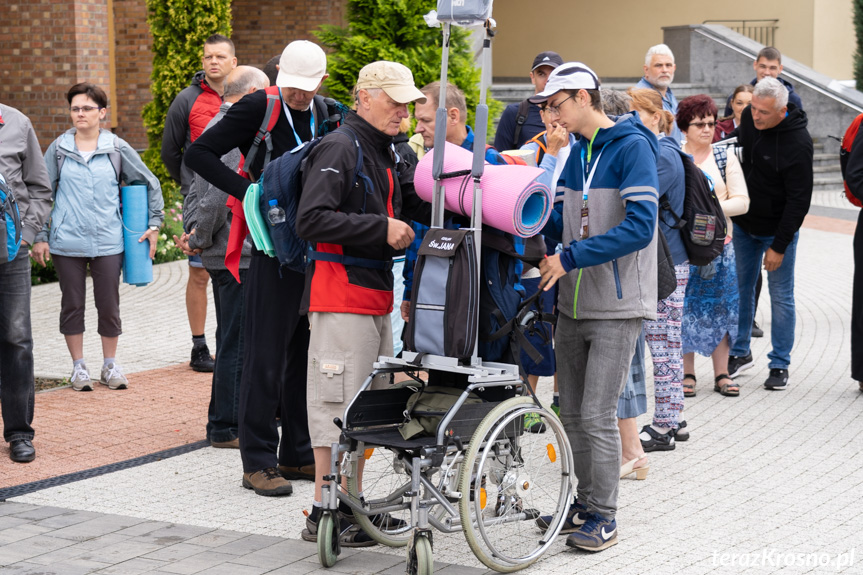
{"type": "Point", "coordinates": [395, 30]}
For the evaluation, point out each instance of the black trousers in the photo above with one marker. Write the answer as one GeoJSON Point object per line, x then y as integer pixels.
{"type": "Point", "coordinates": [857, 304]}
{"type": "Point", "coordinates": [275, 358]}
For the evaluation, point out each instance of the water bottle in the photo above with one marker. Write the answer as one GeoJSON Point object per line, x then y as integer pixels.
{"type": "Point", "coordinates": [276, 215]}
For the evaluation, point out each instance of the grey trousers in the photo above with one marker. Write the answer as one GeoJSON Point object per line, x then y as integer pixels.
{"type": "Point", "coordinates": [593, 358]}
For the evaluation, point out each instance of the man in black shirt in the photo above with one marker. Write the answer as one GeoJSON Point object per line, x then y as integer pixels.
{"type": "Point", "coordinates": [275, 336]}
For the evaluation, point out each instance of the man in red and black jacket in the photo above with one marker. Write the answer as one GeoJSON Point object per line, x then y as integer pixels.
{"type": "Point", "coordinates": [854, 180]}
{"type": "Point", "coordinates": [188, 115]}
{"type": "Point", "coordinates": [349, 305]}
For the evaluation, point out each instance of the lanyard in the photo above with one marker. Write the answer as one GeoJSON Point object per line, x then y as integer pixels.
{"type": "Point", "coordinates": [586, 183]}
{"type": "Point", "coordinates": [291, 119]}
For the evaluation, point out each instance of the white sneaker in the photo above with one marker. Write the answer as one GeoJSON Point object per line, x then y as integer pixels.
{"type": "Point", "coordinates": [81, 378]}
{"type": "Point", "coordinates": [113, 377]}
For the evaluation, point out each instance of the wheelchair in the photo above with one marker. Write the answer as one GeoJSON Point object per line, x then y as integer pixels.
{"type": "Point", "coordinates": [481, 473]}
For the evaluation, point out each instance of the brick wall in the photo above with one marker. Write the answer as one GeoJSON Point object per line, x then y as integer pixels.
{"type": "Point", "coordinates": [133, 65]}
{"type": "Point", "coordinates": [46, 46]}
{"type": "Point", "coordinates": [263, 29]}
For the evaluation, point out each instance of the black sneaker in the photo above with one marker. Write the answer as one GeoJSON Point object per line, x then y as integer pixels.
{"type": "Point", "coordinates": [350, 534]}
{"type": "Point", "coordinates": [652, 440]}
{"type": "Point", "coordinates": [736, 364]}
{"type": "Point", "coordinates": [201, 359]}
{"type": "Point", "coordinates": [778, 379]}
{"type": "Point", "coordinates": [756, 330]}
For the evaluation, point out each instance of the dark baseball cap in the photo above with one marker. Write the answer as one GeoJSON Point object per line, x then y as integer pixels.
{"type": "Point", "coordinates": [552, 59]}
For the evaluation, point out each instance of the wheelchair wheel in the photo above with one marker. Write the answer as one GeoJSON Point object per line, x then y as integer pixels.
{"type": "Point", "coordinates": [385, 480]}
{"type": "Point", "coordinates": [422, 562]}
{"type": "Point", "coordinates": [510, 478]}
{"type": "Point", "coordinates": [328, 540]}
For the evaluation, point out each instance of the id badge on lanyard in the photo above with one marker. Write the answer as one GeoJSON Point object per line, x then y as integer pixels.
{"type": "Point", "coordinates": [585, 229]}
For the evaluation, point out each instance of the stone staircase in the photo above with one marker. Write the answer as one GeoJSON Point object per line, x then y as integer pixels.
{"type": "Point", "coordinates": [827, 187]}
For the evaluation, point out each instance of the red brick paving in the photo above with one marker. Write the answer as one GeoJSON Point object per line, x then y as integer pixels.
{"type": "Point", "coordinates": [163, 408]}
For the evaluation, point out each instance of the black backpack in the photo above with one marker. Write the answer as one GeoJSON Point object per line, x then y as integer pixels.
{"type": "Point", "coordinates": [520, 119]}
{"type": "Point", "coordinates": [702, 225]}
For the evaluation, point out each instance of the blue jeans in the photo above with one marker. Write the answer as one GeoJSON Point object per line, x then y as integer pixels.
{"type": "Point", "coordinates": [16, 349]}
{"type": "Point", "coordinates": [749, 251]}
{"type": "Point", "coordinates": [222, 415]}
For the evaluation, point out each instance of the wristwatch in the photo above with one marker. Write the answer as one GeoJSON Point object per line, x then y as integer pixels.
{"type": "Point", "coordinates": [154, 228]}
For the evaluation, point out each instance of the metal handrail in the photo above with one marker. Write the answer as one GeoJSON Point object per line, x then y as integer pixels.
{"type": "Point", "coordinates": [764, 34]}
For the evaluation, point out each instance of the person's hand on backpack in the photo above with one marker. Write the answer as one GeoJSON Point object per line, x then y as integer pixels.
{"type": "Point", "coordinates": [399, 234]}
{"type": "Point", "coordinates": [551, 270]}
{"type": "Point", "coordinates": [39, 252]}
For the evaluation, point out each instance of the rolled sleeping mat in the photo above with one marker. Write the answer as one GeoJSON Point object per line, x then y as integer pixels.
{"type": "Point", "coordinates": [137, 265]}
{"type": "Point", "coordinates": [513, 201]}
{"type": "Point", "coordinates": [258, 228]}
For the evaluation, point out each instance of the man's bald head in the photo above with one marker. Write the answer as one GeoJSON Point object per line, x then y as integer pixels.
{"type": "Point", "coordinates": [244, 80]}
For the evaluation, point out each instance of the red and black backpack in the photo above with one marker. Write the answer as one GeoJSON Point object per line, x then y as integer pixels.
{"type": "Point", "coordinates": [845, 152]}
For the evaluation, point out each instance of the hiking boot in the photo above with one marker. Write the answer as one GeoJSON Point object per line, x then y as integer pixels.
{"type": "Point", "coordinates": [756, 330]}
{"type": "Point", "coordinates": [778, 379]}
{"type": "Point", "coordinates": [230, 444]}
{"type": "Point", "coordinates": [350, 534]}
{"type": "Point", "coordinates": [113, 377]}
{"type": "Point", "coordinates": [201, 359]}
{"type": "Point", "coordinates": [652, 440]}
{"type": "Point", "coordinates": [304, 472]}
{"type": "Point", "coordinates": [596, 534]}
{"type": "Point", "coordinates": [81, 378]}
{"type": "Point", "coordinates": [267, 482]}
{"type": "Point", "coordinates": [575, 518]}
{"type": "Point", "coordinates": [736, 364]}
{"type": "Point", "coordinates": [533, 423]}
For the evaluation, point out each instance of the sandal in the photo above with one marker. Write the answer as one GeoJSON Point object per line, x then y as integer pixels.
{"type": "Point", "coordinates": [730, 389]}
{"type": "Point", "coordinates": [689, 390]}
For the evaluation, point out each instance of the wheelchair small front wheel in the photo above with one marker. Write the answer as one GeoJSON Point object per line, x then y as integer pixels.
{"type": "Point", "coordinates": [421, 559]}
{"type": "Point", "coordinates": [328, 539]}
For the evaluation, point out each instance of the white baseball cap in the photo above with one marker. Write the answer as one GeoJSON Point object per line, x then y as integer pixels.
{"type": "Point", "coordinates": [569, 76]}
{"type": "Point", "coordinates": [303, 65]}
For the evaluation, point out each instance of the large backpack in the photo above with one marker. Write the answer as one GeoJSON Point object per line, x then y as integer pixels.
{"type": "Point", "coordinates": [844, 152]}
{"type": "Point", "coordinates": [702, 225]}
{"type": "Point", "coordinates": [281, 186]}
{"type": "Point", "coordinates": [10, 223]}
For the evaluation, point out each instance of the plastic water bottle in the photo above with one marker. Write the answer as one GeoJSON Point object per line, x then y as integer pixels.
{"type": "Point", "coordinates": [276, 215]}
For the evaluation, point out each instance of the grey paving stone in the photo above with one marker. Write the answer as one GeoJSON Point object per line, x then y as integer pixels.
{"type": "Point", "coordinates": [27, 568]}
{"type": "Point", "coordinates": [30, 547]}
{"type": "Point", "coordinates": [13, 507]}
{"type": "Point", "coordinates": [248, 544]}
{"type": "Point", "coordinates": [301, 568]}
{"type": "Point", "coordinates": [96, 527]}
{"type": "Point", "coordinates": [173, 533]}
{"type": "Point", "coordinates": [143, 528]}
{"type": "Point", "coordinates": [38, 513]}
{"type": "Point", "coordinates": [216, 538]}
{"type": "Point", "coordinates": [20, 532]}
{"type": "Point", "coordinates": [121, 551]}
{"type": "Point", "coordinates": [197, 563]}
{"type": "Point", "coordinates": [235, 569]}
{"type": "Point", "coordinates": [67, 519]}
{"type": "Point", "coordinates": [176, 552]}
{"type": "Point", "coordinates": [133, 567]}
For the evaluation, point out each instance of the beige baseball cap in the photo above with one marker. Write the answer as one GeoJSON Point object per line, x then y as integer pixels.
{"type": "Point", "coordinates": [393, 78]}
{"type": "Point", "coordinates": [303, 65]}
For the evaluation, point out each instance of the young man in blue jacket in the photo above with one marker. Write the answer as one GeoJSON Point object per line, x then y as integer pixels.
{"type": "Point", "coordinates": [607, 274]}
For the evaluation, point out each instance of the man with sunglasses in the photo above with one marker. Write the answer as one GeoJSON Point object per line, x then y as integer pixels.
{"type": "Point", "coordinates": [607, 222]}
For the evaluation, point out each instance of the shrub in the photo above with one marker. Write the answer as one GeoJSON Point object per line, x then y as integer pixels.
{"type": "Point", "coordinates": [179, 29]}
{"type": "Point", "coordinates": [395, 30]}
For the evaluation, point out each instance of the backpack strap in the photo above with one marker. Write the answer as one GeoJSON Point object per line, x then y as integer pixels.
{"type": "Point", "coordinates": [542, 150]}
{"type": "Point", "coordinates": [720, 154]}
{"type": "Point", "coordinates": [114, 156]}
{"type": "Point", "coordinates": [369, 189]}
{"type": "Point", "coordinates": [271, 116]}
{"type": "Point", "coordinates": [664, 204]}
{"type": "Point", "coordinates": [520, 119]}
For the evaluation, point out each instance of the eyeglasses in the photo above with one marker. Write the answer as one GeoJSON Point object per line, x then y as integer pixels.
{"type": "Point", "coordinates": [555, 110]}
{"type": "Point", "coordinates": [85, 109]}
{"type": "Point", "coordinates": [702, 125]}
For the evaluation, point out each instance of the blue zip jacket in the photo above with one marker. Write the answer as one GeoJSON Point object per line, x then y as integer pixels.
{"type": "Point", "coordinates": [616, 275]}
{"type": "Point", "coordinates": [86, 220]}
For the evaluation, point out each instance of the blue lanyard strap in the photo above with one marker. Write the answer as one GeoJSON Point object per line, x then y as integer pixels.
{"type": "Point", "coordinates": [291, 119]}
